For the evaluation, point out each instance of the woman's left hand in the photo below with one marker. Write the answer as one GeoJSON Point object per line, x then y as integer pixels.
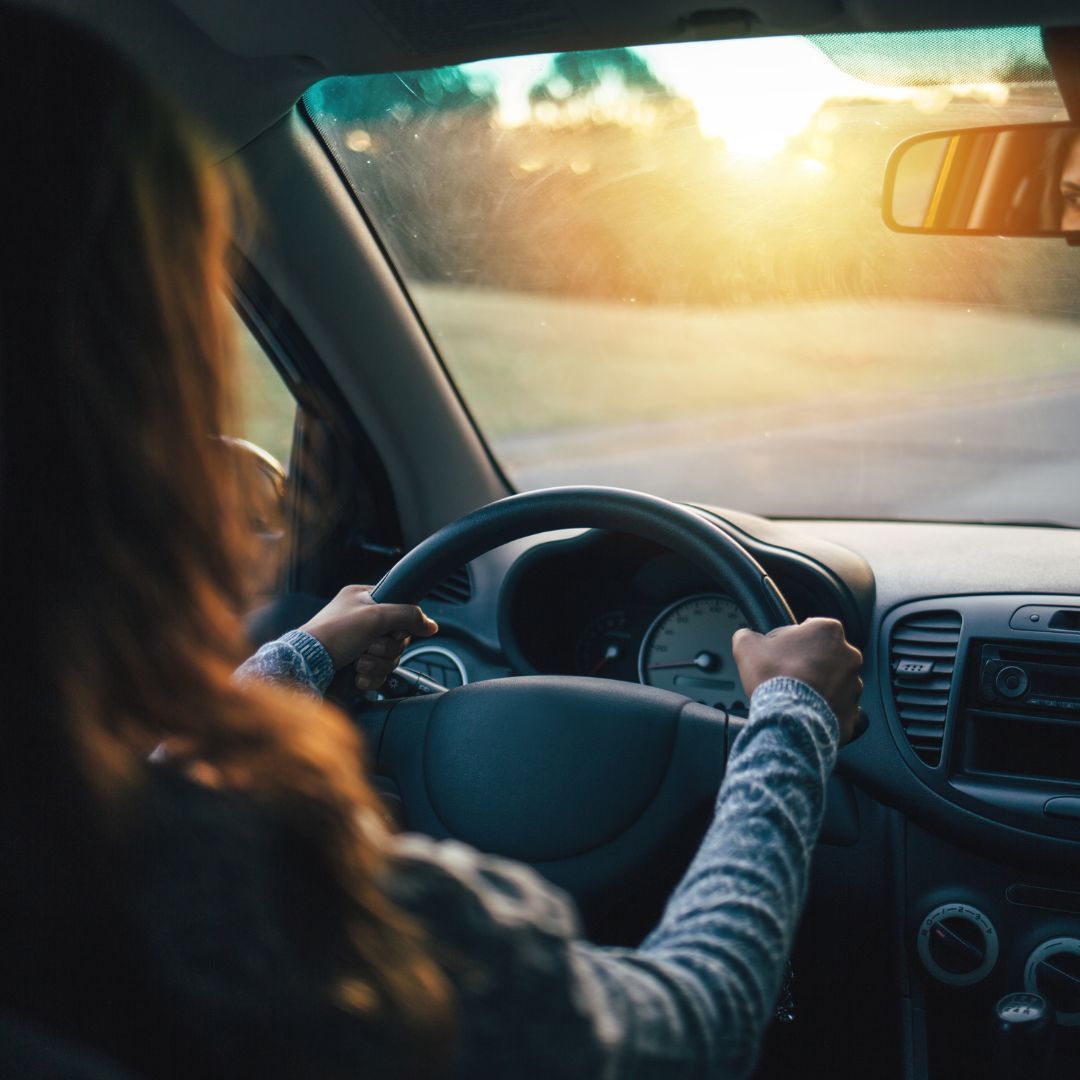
{"type": "Point", "coordinates": [355, 630]}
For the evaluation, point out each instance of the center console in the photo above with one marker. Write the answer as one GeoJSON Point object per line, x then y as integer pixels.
{"type": "Point", "coordinates": [984, 703]}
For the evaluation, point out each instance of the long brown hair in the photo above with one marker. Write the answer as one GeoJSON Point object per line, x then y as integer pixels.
{"type": "Point", "coordinates": [120, 537]}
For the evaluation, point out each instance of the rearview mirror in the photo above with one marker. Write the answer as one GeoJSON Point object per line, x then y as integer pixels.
{"type": "Point", "coordinates": [1015, 180]}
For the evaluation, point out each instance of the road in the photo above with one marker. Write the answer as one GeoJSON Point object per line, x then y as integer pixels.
{"type": "Point", "coordinates": [1005, 451]}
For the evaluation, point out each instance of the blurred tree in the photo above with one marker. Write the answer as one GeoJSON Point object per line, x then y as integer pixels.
{"type": "Point", "coordinates": [402, 96]}
{"type": "Point", "coordinates": [575, 75]}
{"type": "Point", "coordinates": [610, 191]}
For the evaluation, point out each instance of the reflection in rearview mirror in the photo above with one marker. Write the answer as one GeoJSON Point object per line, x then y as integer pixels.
{"type": "Point", "coordinates": [1021, 180]}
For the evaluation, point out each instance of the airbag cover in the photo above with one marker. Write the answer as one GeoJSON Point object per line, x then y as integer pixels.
{"type": "Point", "coordinates": [544, 768]}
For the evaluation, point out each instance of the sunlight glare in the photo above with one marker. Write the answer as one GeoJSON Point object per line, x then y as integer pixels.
{"type": "Point", "coordinates": [755, 95]}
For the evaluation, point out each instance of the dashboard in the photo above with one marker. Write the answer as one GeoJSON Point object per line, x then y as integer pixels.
{"type": "Point", "coordinates": [955, 819]}
{"type": "Point", "coordinates": [610, 606]}
{"type": "Point", "coordinates": [618, 607]}
{"type": "Point", "coordinates": [947, 873]}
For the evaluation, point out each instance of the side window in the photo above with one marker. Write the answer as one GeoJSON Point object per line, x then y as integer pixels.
{"type": "Point", "coordinates": [267, 409]}
{"type": "Point", "coordinates": [267, 418]}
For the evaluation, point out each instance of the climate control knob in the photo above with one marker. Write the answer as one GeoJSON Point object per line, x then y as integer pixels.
{"type": "Point", "coordinates": [957, 944]}
{"type": "Point", "coordinates": [1053, 970]}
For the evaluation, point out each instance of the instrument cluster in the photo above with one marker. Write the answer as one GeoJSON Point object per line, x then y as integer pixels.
{"type": "Point", "coordinates": [606, 605]}
{"type": "Point", "coordinates": [684, 647]}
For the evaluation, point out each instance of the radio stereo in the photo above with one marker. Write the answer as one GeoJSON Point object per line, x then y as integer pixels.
{"type": "Point", "coordinates": [1029, 680]}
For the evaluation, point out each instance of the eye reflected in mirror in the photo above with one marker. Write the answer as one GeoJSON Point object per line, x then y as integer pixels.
{"type": "Point", "coordinates": [1019, 180]}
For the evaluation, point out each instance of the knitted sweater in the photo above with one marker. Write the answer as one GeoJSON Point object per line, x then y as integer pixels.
{"type": "Point", "coordinates": [694, 999]}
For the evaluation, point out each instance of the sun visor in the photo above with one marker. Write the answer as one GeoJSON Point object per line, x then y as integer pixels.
{"type": "Point", "coordinates": [368, 35]}
{"type": "Point", "coordinates": [940, 57]}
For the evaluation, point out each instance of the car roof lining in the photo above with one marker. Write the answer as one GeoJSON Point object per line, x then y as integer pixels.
{"type": "Point", "coordinates": [241, 65]}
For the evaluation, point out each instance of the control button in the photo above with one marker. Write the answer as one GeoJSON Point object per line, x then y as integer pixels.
{"type": "Point", "coordinates": [918, 668]}
{"type": "Point", "coordinates": [1053, 970]}
{"type": "Point", "coordinates": [1046, 617]}
{"type": "Point", "coordinates": [1023, 1037]}
{"type": "Point", "coordinates": [1021, 1009]}
{"type": "Point", "coordinates": [1031, 617]}
{"type": "Point", "coordinates": [957, 944]}
{"type": "Point", "coordinates": [1011, 681]}
{"type": "Point", "coordinates": [404, 683]}
{"type": "Point", "coordinates": [1064, 806]}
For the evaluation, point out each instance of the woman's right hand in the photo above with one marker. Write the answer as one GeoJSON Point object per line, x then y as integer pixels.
{"type": "Point", "coordinates": [814, 652]}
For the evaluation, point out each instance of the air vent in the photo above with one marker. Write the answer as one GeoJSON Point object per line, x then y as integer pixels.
{"type": "Point", "coordinates": [455, 588]}
{"type": "Point", "coordinates": [922, 658]}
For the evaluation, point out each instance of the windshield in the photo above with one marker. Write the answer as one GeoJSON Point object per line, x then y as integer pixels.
{"type": "Point", "coordinates": [665, 268]}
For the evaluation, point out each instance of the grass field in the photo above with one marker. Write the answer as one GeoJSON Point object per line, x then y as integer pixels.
{"type": "Point", "coordinates": [266, 406]}
{"type": "Point", "coordinates": [547, 367]}
{"type": "Point", "coordinates": [531, 364]}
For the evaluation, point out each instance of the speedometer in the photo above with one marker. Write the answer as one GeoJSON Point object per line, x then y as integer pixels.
{"type": "Point", "coordinates": [687, 649]}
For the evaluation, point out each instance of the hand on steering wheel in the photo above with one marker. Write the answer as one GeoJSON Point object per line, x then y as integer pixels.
{"type": "Point", "coordinates": [369, 636]}
{"type": "Point", "coordinates": [814, 652]}
{"type": "Point", "coordinates": [585, 778]}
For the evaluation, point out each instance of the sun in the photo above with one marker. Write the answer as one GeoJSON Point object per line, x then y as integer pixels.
{"type": "Point", "coordinates": [756, 95]}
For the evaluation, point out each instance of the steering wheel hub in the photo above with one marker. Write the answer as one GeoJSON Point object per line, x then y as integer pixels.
{"type": "Point", "coordinates": [570, 763]}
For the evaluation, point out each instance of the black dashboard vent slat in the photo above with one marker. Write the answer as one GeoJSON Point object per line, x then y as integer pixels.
{"type": "Point", "coordinates": [920, 636]}
{"type": "Point", "coordinates": [922, 700]}
{"type": "Point", "coordinates": [911, 647]}
{"type": "Point", "coordinates": [925, 735]}
{"type": "Point", "coordinates": [920, 697]}
{"type": "Point", "coordinates": [939, 681]}
{"type": "Point", "coordinates": [455, 588]}
{"type": "Point", "coordinates": [915, 713]}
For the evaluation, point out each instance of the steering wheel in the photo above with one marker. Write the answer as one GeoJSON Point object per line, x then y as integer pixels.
{"type": "Point", "coordinates": [584, 778]}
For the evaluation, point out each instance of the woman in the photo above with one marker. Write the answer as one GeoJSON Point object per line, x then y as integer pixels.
{"type": "Point", "coordinates": [196, 878]}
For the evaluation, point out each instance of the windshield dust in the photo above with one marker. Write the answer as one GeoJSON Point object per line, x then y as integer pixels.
{"type": "Point", "coordinates": [665, 268]}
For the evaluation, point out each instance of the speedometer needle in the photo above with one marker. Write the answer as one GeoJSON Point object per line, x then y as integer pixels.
{"type": "Point", "coordinates": [706, 661]}
{"type": "Point", "coordinates": [612, 652]}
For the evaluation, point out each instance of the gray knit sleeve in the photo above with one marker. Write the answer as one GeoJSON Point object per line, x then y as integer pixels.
{"type": "Point", "coordinates": [695, 998]}
{"type": "Point", "coordinates": [295, 659]}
